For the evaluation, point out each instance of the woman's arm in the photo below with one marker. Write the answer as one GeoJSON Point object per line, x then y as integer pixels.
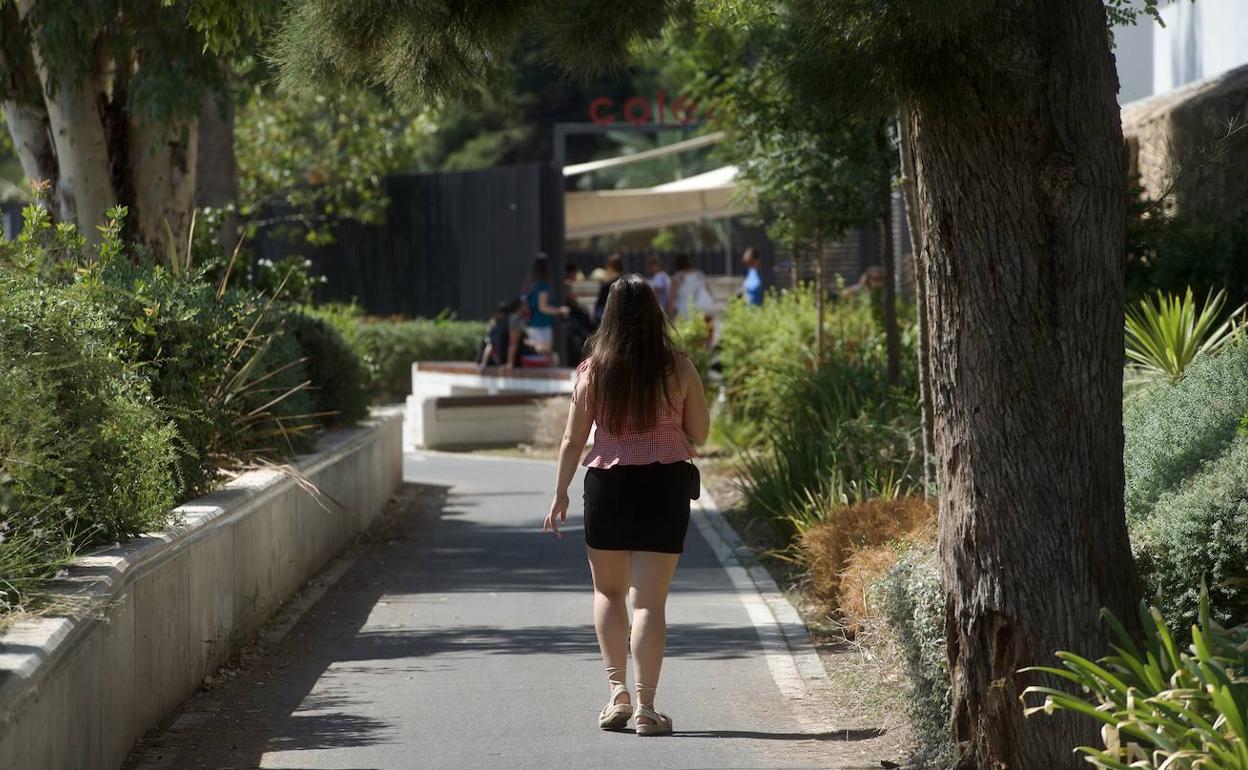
{"type": "Point", "coordinates": [697, 418]}
{"type": "Point", "coordinates": [575, 434]}
{"type": "Point", "coordinates": [543, 304]}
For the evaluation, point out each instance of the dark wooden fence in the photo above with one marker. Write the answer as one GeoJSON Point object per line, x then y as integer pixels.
{"type": "Point", "coordinates": [455, 242]}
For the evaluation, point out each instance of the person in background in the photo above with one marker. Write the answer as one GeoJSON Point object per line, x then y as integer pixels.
{"type": "Point", "coordinates": [659, 280]}
{"type": "Point", "coordinates": [541, 310]}
{"type": "Point", "coordinates": [517, 323]}
{"type": "Point", "coordinates": [752, 286]}
{"type": "Point", "coordinates": [580, 324]}
{"type": "Point", "coordinates": [689, 294]}
{"type": "Point", "coordinates": [611, 274]}
{"type": "Point", "coordinates": [871, 280]}
{"type": "Point", "coordinates": [497, 337]}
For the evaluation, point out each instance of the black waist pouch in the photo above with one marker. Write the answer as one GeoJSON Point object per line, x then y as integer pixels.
{"type": "Point", "coordinates": [695, 480]}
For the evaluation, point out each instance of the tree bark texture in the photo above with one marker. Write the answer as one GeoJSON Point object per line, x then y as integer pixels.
{"type": "Point", "coordinates": [1022, 205]}
{"type": "Point", "coordinates": [83, 187]}
{"type": "Point", "coordinates": [162, 161]}
{"type": "Point", "coordinates": [910, 197]}
{"type": "Point", "coordinates": [23, 108]}
{"type": "Point", "coordinates": [216, 170]}
{"type": "Point", "coordinates": [892, 335]}
{"type": "Point", "coordinates": [29, 129]}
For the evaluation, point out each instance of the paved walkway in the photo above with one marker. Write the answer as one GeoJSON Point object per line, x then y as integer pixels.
{"type": "Point", "coordinates": [469, 645]}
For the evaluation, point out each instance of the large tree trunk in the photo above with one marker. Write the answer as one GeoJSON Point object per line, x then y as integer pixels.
{"type": "Point", "coordinates": [911, 198]}
{"type": "Point", "coordinates": [23, 108]}
{"type": "Point", "coordinates": [84, 187]}
{"type": "Point", "coordinates": [28, 127]}
{"type": "Point", "coordinates": [162, 163]}
{"type": "Point", "coordinates": [216, 171]}
{"type": "Point", "coordinates": [1022, 200]}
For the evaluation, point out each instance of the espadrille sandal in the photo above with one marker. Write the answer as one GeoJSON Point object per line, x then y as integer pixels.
{"type": "Point", "coordinates": [614, 715]}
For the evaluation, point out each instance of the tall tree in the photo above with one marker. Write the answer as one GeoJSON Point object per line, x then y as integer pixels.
{"type": "Point", "coordinates": [101, 99]}
{"type": "Point", "coordinates": [1011, 109]}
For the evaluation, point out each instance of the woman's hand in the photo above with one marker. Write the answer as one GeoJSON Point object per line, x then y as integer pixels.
{"type": "Point", "coordinates": [558, 513]}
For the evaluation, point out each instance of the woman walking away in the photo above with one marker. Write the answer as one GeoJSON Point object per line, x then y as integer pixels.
{"type": "Point", "coordinates": [541, 310]}
{"type": "Point", "coordinates": [648, 403]}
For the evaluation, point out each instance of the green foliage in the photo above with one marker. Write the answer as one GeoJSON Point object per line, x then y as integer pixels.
{"type": "Point", "coordinates": [291, 279]}
{"type": "Point", "coordinates": [815, 166]}
{"type": "Point", "coordinates": [1160, 706]}
{"type": "Point", "coordinates": [912, 603]}
{"type": "Point", "coordinates": [1164, 336]}
{"type": "Point", "coordinates": [823, 433]}
{"type": "Point", "coordinates": [1173, 428]}
{"type": "Point", "coordinates": [336, 373]}
{"type": "Point", "coordinates": [308, 160]}
{"type": "Point", "coordinates": [1186, 469]}
{"type": "Point", "coordinates": [1170, 252]}
{"type": "Point", "coordinates": [432, 50]}
{"type": "Point", "coordinates": [1199, 528]}
{"type": "Point", "coordinates": [693, 335]}
{"type": "Point", "coordinates": [86, 452]}
{"type": "Point", "coordinates": [388, 347]}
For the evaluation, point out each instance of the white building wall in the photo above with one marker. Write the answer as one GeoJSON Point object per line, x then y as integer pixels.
{"type": "Point", "coordinates": [1200, 40]}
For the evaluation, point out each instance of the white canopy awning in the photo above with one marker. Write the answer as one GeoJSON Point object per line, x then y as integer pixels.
{"type": "Point", "coordinates": [706, 196]}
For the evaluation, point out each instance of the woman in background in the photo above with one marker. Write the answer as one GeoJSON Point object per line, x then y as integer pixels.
{"type": "Point", "coordinates": [541, 326]}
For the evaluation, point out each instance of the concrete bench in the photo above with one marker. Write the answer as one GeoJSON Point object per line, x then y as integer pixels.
{"type": "Point", "coordinates": [454, 405]}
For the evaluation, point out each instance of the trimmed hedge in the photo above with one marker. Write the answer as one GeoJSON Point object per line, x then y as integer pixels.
{"type": "Point", "coordinates": [336, 373]}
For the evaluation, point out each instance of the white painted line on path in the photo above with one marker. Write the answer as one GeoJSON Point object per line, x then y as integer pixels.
{"type": "Point", "coordinates": [791, 658]}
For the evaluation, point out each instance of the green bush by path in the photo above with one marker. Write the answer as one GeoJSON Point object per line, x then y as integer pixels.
{"type": "Point", "coordinates": [1171, 429]}
{"type": "Point", "coordinates": [912, 603]}
{"type": "Point", "coordinates": [129, 385]}
{"type": "Point", "coordinates": [336, 373]}
{"type": "Point", "coordinates": [87, 454]}
{"type": "Point", "coordinates": [1199, 529]}
{"type": "Point", "coordinates": [388, 347]}
{"type": "Point", "coordinates": [824, 432]}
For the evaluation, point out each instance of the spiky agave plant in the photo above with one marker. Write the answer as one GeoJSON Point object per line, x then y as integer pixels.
{"type": "Point", "coordinates": [1163, 336]}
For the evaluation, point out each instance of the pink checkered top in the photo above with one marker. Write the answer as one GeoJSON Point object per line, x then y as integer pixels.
{"type": "Point", "coordinates": [664, 443]}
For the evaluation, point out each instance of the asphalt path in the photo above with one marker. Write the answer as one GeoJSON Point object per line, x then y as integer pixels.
{"type": "Point", "coordinates": [470, 645]}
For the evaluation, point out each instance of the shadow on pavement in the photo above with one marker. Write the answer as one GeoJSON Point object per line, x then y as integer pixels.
{"type": "Point", "coordinates": [847, 736]}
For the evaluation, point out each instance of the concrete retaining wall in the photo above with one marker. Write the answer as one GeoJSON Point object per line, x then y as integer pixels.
{"type": "Point", "coordinates": [164, 608]}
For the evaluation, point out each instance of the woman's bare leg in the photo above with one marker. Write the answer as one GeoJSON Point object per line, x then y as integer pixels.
{"type": "Point", "coordinates": [610, 573]}
{"type": "Point", "coordinates": [651, 575]}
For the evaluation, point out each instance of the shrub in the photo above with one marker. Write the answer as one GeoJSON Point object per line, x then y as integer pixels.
{"type": "Point", "coordinates": [87, 455]}
{"type": "Point", "coordinates": [693, 336]}
{"type": "Point", "coordinates": [337, 376]}
{"type": "Point", "coordinates": [393, 345]}
{"type": "Point", "coordinates": [1160, 706]}
{"type": "Point", "coordinates": [1173, 428]}
{"type": "Point", "coordinates": [827, 546]}
{"type": "Point", "coordinates": [912, 603]}
{"type": "Point", "coordinates": [840, 435]}
{"type": "Point", "coordinates": [1199, 528]}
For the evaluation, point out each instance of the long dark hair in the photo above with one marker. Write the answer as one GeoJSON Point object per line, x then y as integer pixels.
{"type": "Point", "coordinates": [633, 357]}
{"type": "Point", "coordinates": [540, 271]}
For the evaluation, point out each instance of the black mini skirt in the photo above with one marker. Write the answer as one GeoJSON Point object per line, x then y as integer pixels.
{"type": "Point", "coordinates": [637, 507]}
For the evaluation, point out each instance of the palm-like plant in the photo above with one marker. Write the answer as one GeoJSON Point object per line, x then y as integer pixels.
{"type": "Point", "coordinates": [1164, 336]}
